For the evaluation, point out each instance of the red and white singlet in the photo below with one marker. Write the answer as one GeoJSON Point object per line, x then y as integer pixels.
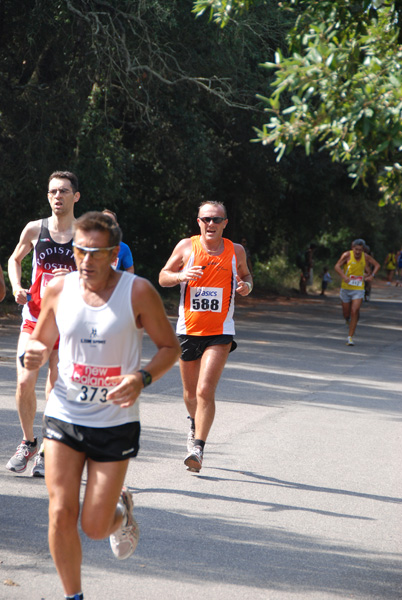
{"type": "Point", "coordinates": [47, 256]}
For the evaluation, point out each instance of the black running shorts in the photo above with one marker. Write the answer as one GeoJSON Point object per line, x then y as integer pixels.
{"type": "Point", "coordinates": [102, 444]}
{"type": "Point", "coordinates": [193, 346]}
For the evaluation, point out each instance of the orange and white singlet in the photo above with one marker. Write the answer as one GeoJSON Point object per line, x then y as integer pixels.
{"type": "Point", "coordinates": [355, 270]}
{"type": "Point", "coordinates": [207, 305]}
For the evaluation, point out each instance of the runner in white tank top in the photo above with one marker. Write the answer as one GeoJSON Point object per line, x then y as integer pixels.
{"type": "Point", "coordinates": [92, 415]}
{"type": "Point", "coordinates": [95, 342]}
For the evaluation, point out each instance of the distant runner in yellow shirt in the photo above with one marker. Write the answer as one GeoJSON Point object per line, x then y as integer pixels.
{"type": "Point", "coordinates": [352, 267]}
{"type": "Point", "coordinates": [390, 266]}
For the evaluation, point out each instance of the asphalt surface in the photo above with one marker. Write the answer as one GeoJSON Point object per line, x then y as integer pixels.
{"type": "Point", "coordinates": [300, 494]}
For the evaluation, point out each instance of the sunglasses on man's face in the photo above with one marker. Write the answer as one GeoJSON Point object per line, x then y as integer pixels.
{"type": "Point", "coordinates": [96, 253]}
{"type": "Point", "coordinates": [215, 220]}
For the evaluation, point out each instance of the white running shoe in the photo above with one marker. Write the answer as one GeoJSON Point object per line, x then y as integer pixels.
{"type": "Point", "coordinates": [350, 341]}
{"type": "Point", "coordinates": [190, 440]}
{"type": "Point", "coordinates": [193, 460]}
{"type": "Point", "coordinates": [25, 451]}
{"type": "Point", "coordinates": [38, 469]}
{"type": "Point", "coordinates": [125, 539]}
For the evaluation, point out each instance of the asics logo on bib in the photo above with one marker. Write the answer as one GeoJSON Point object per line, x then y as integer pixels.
{"type": "Point", "coordinates": [203, 293]}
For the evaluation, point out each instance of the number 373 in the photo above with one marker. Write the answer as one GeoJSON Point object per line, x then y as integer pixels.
{"type": "Point", "coordinates": [93, 394]}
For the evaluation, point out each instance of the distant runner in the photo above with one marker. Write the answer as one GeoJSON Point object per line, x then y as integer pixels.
{"type": "Point", "coordinates": [352, 268]}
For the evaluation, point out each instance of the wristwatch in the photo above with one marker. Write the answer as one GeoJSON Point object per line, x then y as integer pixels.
{"type": "Point", "coordinates": [146, 377]}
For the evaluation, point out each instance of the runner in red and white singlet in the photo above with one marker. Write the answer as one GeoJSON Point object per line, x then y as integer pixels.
{"type": "Point", "coordinates": [51, 242]}
{"type": "Point", "coordinates": [48, 256]}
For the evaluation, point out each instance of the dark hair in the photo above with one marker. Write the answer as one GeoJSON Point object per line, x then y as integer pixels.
{"type": "Point", "coordinates": [110, 212]}
{"type": "Point", "coordinates": [358, 242]}
{"type": "Point", "coordinates": [73, 179]}
{"type": "Point", "coordinates": [214, 203]}
{"type": "Point", "coordinates": [98, 221]}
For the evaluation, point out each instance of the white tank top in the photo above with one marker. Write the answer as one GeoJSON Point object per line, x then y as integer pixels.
{"type": "Point", "coordinates": [95, 342]}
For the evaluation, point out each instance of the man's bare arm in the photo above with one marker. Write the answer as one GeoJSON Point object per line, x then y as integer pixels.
{"type": "Point", "coordinates": [44, 336]}
{"type": "Point", "coordinates": [25, 245]}
{"type": "Point", "coordinates": [171, 274]}
{"type": "Point", "coordinates": [150, 314]}
{"type": "Point", "coordinates": [2, 285]}
{"type": "Point", "coordinates": [338, 267]}
{"type": "Point", "coordinates": [244, 277]}
{"type": "Point", "coordinates": [374, 263]}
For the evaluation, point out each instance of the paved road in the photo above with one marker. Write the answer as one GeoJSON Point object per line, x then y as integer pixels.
{"type": "Point", "coordinates": [300, 495]}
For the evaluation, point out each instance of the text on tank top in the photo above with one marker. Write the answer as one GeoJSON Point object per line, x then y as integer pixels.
{"type": "Point", "coordinates": [95, 343]}
{"type": "Point", "coordinates": [355, 270]}
{"type": "Point", "coordinates": [207, 305]}
{"type": "Point", "coordinates": [47, 256]}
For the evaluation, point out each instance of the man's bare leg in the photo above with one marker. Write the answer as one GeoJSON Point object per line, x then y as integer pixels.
{"type": "Point", "coordinates": [25, 393]}
{"type": "Point", "coordinates": [200, 379]}
{"type": "Point", "coordinates": [212, 364]}
{"type": "Point", "coordinates": [52, 373]}
{"type": "Point", "coordinates": [189, 371]}
{"type": "Point", "coordinates": [346, 310]}
{"type": "Point", "coordinates": [354, 315]}
{"type": "Point", "coordinates": [64, 467]}
{"type": "Point", "coordinates": [99, 516]}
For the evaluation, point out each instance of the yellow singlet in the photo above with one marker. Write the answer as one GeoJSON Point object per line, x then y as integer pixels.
{"type": "Point", "coordinates": [355, 270]}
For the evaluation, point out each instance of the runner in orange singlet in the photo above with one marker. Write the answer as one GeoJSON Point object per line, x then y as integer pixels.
{"type": "Point", "coordinates": [352, 267]}
{"type": "Point", "coordinates": [209, 269]}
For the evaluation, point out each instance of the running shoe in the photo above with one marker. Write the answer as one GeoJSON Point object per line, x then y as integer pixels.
{"type": "Point", "coordinates": [38, 469]}
{"type": "Point", "coordinates": [25, 451]}
{"type": "Point", "coordinates": [190, 440]}
{"type": "Point", "coordinates": [125, 539]}
{"type": "Point", "coordinates": [350, 341]}
{"type": "Point", "coordinates": [193, 460]}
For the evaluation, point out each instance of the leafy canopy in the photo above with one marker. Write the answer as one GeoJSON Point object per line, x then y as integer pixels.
{"type": "Point", "coordinates": [339, 87]}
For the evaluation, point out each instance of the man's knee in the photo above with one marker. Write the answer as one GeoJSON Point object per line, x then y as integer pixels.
{"type": "Point", "coordinates": [205, 394]}
{"type": "Point", "coordinates": [96, 526]}
{"type": "Point", "coordinates": [26, 381]}
{"type": "Point", "coordinates": [62, 517]}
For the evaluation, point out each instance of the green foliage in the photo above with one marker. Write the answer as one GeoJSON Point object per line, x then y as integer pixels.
{"type": "Point", "coordinates": [222, 11]}
{"type": "Point", "coordinates": [154, 110]}
{"type": "Point", "coordinates": [150, 107]}
{"type": "Point", "coordinates": [339, 90]}
{"type": "Point", "coordinates": [276, 275]}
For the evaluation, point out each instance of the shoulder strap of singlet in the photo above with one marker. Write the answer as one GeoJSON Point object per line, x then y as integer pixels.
{"type": "Point", "coordinates": [44, 229]}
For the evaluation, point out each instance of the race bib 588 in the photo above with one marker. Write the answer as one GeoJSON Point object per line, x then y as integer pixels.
{"type": "Point", "coordinates": [204, 299]}
{"type": "Point", "coordinates": [88, 383]}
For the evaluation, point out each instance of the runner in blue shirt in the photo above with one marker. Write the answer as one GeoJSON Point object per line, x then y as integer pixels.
{"type": "Point", "coordinates": [124, 261]}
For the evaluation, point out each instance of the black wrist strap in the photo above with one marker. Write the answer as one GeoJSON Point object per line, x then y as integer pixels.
{"type": "Point", "coordinates": [146, 377]}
